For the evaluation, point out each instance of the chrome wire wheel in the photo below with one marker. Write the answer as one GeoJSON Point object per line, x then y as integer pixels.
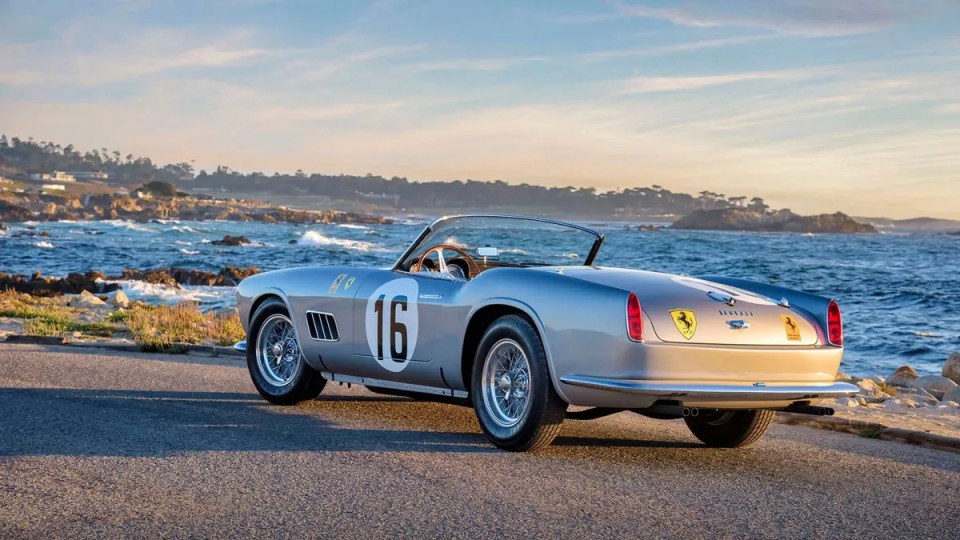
{"type": "Point", "coordinates": [278, 354]}
{"type": "Point", "coordinates": [506, 383]}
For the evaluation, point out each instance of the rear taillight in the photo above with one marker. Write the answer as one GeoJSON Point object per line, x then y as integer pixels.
{"type": "Point", "coordinates": [834, 324]}
{"type": "Point", "coordinates": [634, 318]}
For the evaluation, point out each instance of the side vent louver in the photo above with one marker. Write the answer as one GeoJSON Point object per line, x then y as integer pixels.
{"type": "Point", "coordinates": [323, 327]}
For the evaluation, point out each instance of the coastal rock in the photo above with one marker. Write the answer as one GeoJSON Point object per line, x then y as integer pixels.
{"type": "Point", "coordinates": [841, 376]}
{"type": "Point", "coordinates": [74, 283]}
{"type": "Point", "coordinates": [870, 389]}
{"type": "Point", "coordinates": [935, 384]}
{"type": "Point", "coordinates": [11, 212]}
{"type": "Point", "coordinates": [745, 219]}
{"type": "Point", "coordinates": [903, 376]}
{"type": "Point", "coordinates": [896, 403]}
{"type": "Point", "coordinates": [119, 299]}
{"type": "Point", "coordinates": [847, 402]}
{"type": "Point", "coordinates": [951, 369]}
{"type": "Point", "coordinates": [85, 300]}
{"type": "Point", "coordinates": [157, 277]}
{"type": "Point", "coordinates": [232, 241]}
{"type": "Point", "coordinates": [4, 228]}
{"type": "Point", "coordinates": [953, 396]}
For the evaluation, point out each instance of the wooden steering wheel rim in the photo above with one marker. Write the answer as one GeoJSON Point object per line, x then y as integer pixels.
{"type": "Point", "coordinates": [472, 266]}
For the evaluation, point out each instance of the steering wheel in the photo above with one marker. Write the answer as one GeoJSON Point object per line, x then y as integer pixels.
{"type": "Point", "coordinates": [472, 266]}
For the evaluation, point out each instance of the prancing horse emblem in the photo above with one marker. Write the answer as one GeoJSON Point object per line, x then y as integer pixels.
{"type": "Point", "coordinates": [686, 322]}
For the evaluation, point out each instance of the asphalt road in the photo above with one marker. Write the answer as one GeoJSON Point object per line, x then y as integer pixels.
{"type": "Point", "coordinates": [101, 444]}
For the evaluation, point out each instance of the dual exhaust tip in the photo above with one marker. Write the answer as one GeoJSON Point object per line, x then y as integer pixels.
{"type": "Point", "coordinates": [690, 411]}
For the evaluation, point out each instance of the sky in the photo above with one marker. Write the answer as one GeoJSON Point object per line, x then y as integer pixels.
{"type": "Point", "coordinates": [814, 105]}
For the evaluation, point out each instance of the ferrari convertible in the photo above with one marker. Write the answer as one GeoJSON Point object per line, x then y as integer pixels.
{"type": "Point", "coordinates": [510, 315]}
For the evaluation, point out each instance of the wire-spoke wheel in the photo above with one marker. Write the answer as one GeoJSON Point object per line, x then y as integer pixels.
{"type": "Point", "coordinates": [278, 355]}
{"type": "Point", "coordinates": [506, 383]}
{"type": "Point", "coordinates": [513, 395]}
{"type": "Point", "coordinates": [277, 366]}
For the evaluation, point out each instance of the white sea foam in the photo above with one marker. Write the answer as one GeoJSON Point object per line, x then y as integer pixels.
{"type": "Point", "coordinates": [182, 243]}
{"type": "Point", "coordinates": [43, 244]}
{"type": "Point", "coordinates": [157, 293]}
{"type": "Point", "coordinates": [353, 226]}
{"type": "Point", "coordinates": [129, 225]}
{"type": "Point", "coordinates": [183, 228]}
{"type": "Point", "coordinates": [452, 240]}
{"type": "Point", "coordinates": [315, 238]}
{"type": "Point", "coordinates": [571, 255]}
{"type": "Point", "coordinates": [189, 252]}
{"type": "Point", "coordinates": [516, 251]}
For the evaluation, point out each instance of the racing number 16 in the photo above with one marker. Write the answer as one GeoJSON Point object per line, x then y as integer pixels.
{"type": "Point", "coordinates": [397, 329]}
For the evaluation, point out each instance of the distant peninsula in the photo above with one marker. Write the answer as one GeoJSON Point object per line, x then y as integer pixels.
{"type": "Point", "coordinates": [744, 219]}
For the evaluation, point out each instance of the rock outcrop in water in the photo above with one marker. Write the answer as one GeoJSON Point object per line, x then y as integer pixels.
{"type": "Point", "coordinates": [744, 219]}
{"type": "Point", "coordinates": [232, 241]}
{"type": "Point", "coordinates": [55, 207]}
{"type": "Point", "coordinates": [97, 282]}
{"type": "Point", "coordinates": [74, 283]}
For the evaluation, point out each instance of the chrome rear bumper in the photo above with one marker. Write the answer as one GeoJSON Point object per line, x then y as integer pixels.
{"type": "Point", "coordinates": [688, 392]}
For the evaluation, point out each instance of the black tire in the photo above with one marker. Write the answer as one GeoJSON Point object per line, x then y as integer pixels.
{"type": "Point", "coordinates": [544, 411]}
{"type": "Point", "coordinates": [306, 384]}
{"type": "Point", "coordinates": [730, 429]}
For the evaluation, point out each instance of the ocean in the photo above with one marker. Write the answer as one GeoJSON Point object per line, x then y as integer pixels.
{"type": "Point", "coordinates": [899, 291]}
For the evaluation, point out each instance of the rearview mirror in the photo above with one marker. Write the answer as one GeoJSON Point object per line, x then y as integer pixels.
{"type": "Point", "coordinates": [488, 251]}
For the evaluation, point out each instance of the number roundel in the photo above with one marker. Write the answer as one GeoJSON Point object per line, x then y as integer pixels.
{"type": "Point", "coordinates": [391, 323]}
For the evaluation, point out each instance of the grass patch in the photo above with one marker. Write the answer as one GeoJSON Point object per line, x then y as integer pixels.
{"type": "Point", "coordinates": [165, 328]}
{"type": "Point", "coordinates": [154, 328]}
{"type": "Point", "coordinates": [49, 317]}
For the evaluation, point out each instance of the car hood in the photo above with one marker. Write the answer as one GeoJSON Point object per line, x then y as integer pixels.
{"type": "Point", "coordinates": [684, 309]}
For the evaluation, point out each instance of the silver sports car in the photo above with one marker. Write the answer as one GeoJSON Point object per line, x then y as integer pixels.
{"type": "Point", "coordinates": [509, 315]}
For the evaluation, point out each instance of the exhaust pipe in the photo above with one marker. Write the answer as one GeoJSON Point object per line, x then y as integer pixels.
{"type": "Point", "coordinates": [690, 411]}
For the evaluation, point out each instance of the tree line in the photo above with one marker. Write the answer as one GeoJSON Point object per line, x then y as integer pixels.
{"type": "Point", "coordinates": [30, 156]}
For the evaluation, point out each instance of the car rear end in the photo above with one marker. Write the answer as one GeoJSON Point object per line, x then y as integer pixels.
{"type": "Point", "coordinates": [696, 343]}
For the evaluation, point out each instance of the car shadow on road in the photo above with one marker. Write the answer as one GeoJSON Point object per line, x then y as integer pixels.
{"type": "Point", "coordinates": [49, 421]}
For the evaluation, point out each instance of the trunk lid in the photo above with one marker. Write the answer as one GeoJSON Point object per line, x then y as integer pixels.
{"type": "Point", "coordinates": [683, 309]}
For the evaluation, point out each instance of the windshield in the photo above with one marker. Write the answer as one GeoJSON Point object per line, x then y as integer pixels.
{"type": "Point", "coordinates": [494, 241]}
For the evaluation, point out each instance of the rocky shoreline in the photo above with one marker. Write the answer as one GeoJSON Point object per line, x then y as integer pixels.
{"type": "Point", "coordinates": [145, 208]}
{"type": "Point", "coordinates": [745, 219]}
{"type": "Point", "coordinates": [99, 283]}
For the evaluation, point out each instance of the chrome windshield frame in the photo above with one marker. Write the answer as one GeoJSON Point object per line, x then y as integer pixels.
{"type": "Point", "coordinates": [591, 256]}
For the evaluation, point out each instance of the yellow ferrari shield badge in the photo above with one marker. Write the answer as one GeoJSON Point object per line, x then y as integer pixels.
{"type": "Point", "coordinates": [792, 327]}
{"type": "Point", "coordinates": [686, 322]}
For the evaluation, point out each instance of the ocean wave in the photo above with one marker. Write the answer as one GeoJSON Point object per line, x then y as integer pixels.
{"type": "Point", "coordinates": [353, 226]}
{"type": "Point", "coordinates": [183, 229]}
{"type": "Point", "coordinates": [182, 243]}
{"type": "Point", "coordinates": [159, 293]}
{"type": "Point", "coordinates": [315, 238]}
{"type": "Point", "coordinates": [129, 225]}
{"type": "Point", "coordinates": [453, 241]}
{"type": "Point", "coordinates": [189, 252]}
{"type": "Point", "coordinates": [43, 244]}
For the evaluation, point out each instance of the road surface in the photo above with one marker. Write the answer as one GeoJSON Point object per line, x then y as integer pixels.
{"type": "Point", "coordinates": [97, 444]}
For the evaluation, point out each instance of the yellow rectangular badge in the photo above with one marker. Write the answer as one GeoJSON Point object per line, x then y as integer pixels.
{"type": "Point", "coordinates": [792, 327]}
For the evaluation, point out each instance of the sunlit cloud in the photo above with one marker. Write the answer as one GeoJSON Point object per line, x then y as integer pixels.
{"type": "Point", "coordinates": [753, 98]}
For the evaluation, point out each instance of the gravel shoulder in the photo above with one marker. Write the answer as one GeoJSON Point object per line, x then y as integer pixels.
{"type": "Point", "coordinates": [96, 443]}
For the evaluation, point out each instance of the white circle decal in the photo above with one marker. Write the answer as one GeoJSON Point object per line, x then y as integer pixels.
{"type": "Point", "coordinates": [391, 323]}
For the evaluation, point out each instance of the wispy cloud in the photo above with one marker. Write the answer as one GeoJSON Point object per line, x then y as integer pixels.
{"type": "Point", "coordinates": [677, 47]}
{"type": "Point", "coordinates": [474, 64]}
{"type": "Point", "coordinates": [802, 17]}
{"type": "Point", "coordinates": [645, 85]}
{"type": "Point", "coordinates": [949, 108]}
